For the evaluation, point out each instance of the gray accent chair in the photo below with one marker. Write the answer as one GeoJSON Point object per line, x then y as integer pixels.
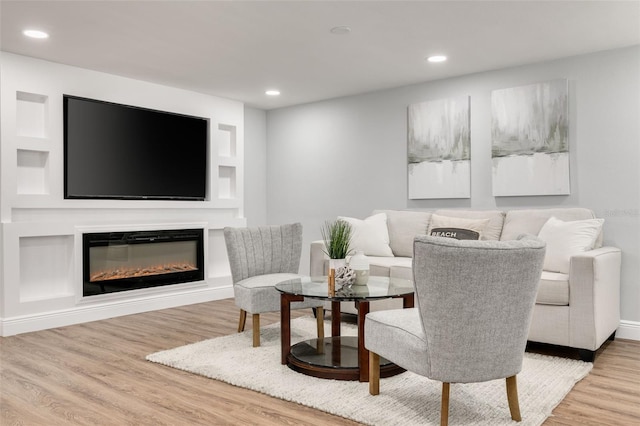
{"type": "Point", "coordinates": [260, 258]}
{"type": "Point", "coordinates": [474, 303]}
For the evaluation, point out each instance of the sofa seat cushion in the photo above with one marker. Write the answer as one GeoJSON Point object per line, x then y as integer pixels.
{"type": "Point", "coordinates": [389, 267]}
{"type": "Point", "coordinates": [553, 289]}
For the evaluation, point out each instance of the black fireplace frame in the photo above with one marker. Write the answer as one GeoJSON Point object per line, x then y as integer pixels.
{"type": "Point", "coordinates": [140, 237]}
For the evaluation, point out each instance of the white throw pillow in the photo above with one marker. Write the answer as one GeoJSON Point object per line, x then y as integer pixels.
{"type": "Point", "coordinates": [476, 225]}
{"type": "Point", "coordinates": [370, 235]}
{"type": "Point", "coordinates": [566, 239]}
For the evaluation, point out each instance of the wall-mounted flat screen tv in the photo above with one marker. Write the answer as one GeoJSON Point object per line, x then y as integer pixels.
{"type": "Point", "coordinates": [114, 151]}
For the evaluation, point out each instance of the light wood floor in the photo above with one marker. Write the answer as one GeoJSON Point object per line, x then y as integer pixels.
{"type": "Point", "coordinates": [96, 374]}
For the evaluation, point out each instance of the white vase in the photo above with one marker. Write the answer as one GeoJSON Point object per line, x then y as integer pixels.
{"type": "Point", "coordinates": [360, 264]}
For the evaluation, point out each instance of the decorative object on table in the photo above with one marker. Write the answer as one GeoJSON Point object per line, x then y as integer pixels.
{"type": "Point", "coordinates": [530, 139]}
{"type": "Point", "coordinates": [359, 263]}
{"type": "Point", "coordinates": [337, 242]}
{"type": "Point", "coordinates": [439, 149]}
{"type": "Point", "coordinates": [337, 239]}
{"type": "Point", "coordinates": [345, 276]}
{"type": "Point", "coordinates": [331, 282]}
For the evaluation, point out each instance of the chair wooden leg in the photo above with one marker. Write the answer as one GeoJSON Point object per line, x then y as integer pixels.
{"type": "Point", "coordinates": [512, 397]}
{"type": "Point", "coordinates": [256, 330]}
{"type": "Point", "coordinates": [320, 322]}
{"type": "Point", "coordinates": [243, 320]}
{"type": "Point", "coordinates": [374, 373]}
{"type": "Point", "coordinates": [444, 406]}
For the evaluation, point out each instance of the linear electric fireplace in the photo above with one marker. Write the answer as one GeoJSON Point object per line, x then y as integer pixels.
{"type": "Point", "coordinates": [119, 261]}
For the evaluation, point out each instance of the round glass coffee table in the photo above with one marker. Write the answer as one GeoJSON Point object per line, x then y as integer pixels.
{"type": "Point", "coordinates": [337, 357]}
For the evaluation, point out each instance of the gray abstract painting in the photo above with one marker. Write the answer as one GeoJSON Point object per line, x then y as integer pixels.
{"type": "Point", "coordinates": [530, 139]}
{"type": "Point", "coordinates": [439, 160]}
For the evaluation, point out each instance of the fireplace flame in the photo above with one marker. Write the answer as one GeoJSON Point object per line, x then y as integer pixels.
{"type": "Point", "coordinates": [134, 272]}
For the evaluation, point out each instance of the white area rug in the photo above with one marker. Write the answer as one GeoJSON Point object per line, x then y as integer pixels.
{"type": "Point", "coordinates": [406, 399]}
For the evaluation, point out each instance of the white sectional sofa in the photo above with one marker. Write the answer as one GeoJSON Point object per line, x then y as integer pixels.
{"type": "Point", "coordinates": [578, 302]}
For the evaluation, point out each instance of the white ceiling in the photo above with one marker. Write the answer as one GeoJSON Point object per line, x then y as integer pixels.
{"type": "Point", "coordinates": [238, 49]}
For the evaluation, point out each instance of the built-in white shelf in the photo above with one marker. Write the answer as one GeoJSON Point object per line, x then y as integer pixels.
{"type": "Point", "coordinates": [226, 182]}
{"type": "Point", "coordinates": [227, 161]}
{"type": "Point", "coordinates": [218, 265]}
{"type": "Point", "coordinates": [32, 174]}
{"type": "Point", "coordinates": [46, 267]}
{"type": "Point", "coordinates": [227, 144]}
{"type": "Point", "coordinates": [31, 115]}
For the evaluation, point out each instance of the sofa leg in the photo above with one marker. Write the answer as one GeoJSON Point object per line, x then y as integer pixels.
{"type": "Point", "coordinates": [587, 355]}
{"type": "Point", "coordinates": [612, 337]}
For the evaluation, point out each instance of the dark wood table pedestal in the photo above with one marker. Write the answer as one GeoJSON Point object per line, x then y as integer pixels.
{"type": "Point", "coordinates": [337, 350]}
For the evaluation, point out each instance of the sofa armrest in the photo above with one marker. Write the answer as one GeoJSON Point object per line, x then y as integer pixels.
{"type": "Point", "coordinates": [318, 259]}
{"type": "Point", "coordinates": [594, 297]}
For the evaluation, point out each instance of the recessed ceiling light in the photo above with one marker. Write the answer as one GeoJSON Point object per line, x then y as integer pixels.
{"type": "Point", "coordinates": [272, 92]}
{"type": "Point", "coordinates": [340, 30]}
{"type": "Point", "coordinates": [35, 34]}
{"type": "Point", "coordinates": [437, 58]}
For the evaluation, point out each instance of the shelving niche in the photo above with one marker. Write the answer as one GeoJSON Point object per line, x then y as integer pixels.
{"type": "Point", "coordinates": [32, 175]}
{"type": "Point", "coordinates": [32, 124]}
{"type": "Point", "coordinates": [31, 115]}
{"type": "Point", "coordinates": [218, 265]}
{"type": "Point", "coordinates": [227, 160]}
{"type": "Point", "coordinates": [54, 275]}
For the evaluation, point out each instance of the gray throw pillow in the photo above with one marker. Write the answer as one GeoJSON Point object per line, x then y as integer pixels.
{"type": "Point", "coordinates": [457, 233]}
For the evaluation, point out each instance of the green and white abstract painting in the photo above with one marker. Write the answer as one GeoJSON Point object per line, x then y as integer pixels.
{"type": "Point", "coordinates": [530, 139]}
{"type": "Point", "coordinates": [439, 149]}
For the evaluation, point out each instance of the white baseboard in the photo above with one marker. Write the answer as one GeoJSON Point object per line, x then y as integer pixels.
{"type": "Point", "coordinates": [628, 330]}
{"type": "Point", "coordinates": [111, 309]}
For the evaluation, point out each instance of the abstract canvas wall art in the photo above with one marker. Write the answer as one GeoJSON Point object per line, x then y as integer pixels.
{"type": "Point", "coordinates": [530, 139]}
{"type": "Point", "coordinates": [439, 149]}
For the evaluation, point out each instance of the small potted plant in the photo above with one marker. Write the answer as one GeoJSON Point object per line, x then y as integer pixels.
{"type": "Point", "coordinates": [337, 239]}
{"type": "Point", "coordinates": [337, 243]}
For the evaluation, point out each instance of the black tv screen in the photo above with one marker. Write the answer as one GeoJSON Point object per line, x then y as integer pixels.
{"type": "Point", "coordinates": [114, 151]}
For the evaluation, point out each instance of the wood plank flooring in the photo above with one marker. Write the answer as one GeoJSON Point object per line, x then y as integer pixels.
{"type": "Point", "coordinates": [96, 374]}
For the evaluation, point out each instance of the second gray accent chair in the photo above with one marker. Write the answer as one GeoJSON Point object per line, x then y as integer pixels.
{"type": "Point", "coordinates": [261, 257]}
{"type": "Point", "coordinates": [474, 303]}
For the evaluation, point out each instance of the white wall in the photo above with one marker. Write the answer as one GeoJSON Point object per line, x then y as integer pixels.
{"type": "Point", "coordinates": [255, 162]}
{"type": "Point", "coordinates": [347, 156]}
{"type": "Point", "coordinates": [41, 232]}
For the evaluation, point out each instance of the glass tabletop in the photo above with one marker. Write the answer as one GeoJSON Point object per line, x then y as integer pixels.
{"type": "Point", "coordinates": [318, 288]}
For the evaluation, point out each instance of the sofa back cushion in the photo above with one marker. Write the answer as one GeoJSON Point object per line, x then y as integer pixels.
{"type": "Point", "coordinates": [530, 221]}
{"type": "Point", "coordinates": [403, 226]}
{"type": "Point", "coordinates": [370, 235]}
{"type": "Point", "coordinates": [456, 227]}
{"type": "Point", "coordinates": [492, 229]}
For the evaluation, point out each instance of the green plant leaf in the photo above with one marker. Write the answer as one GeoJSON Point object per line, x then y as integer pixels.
{"type": "Point", "coordinates": [337, 239]}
